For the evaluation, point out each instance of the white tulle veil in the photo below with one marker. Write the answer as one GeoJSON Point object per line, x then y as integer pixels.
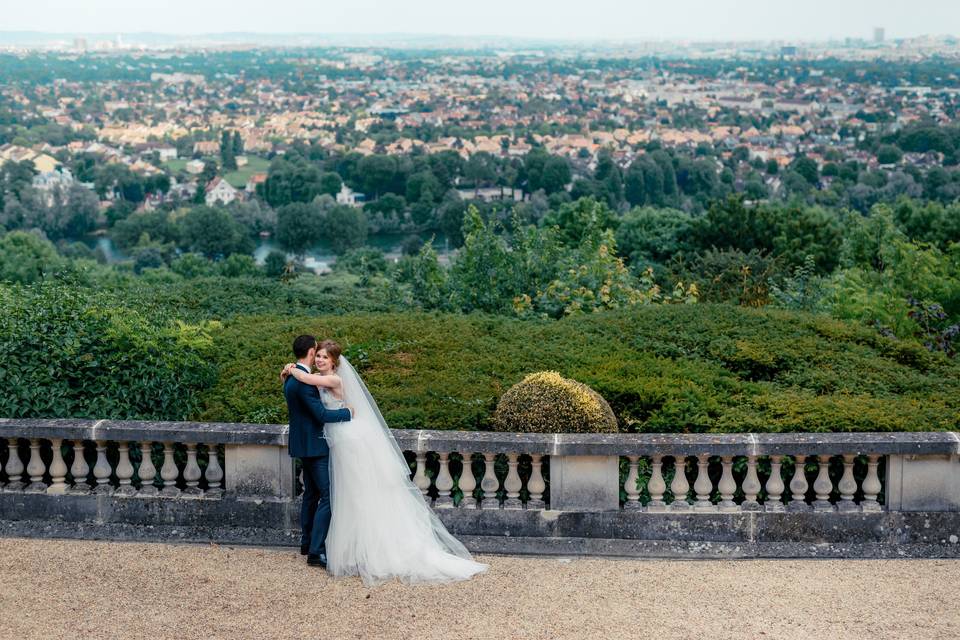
{"type": "Point", "coordinates": [367, 413]}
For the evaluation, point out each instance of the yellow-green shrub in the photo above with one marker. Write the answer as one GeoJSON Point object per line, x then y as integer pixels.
{"type": "Point", "coordinates": [546, 402]}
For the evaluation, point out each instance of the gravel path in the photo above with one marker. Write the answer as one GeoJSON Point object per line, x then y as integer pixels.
{"type": "Point", "coordinates": [53, 589]}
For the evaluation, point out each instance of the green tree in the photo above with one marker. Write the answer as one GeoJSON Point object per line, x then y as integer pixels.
{"type": "Point", "coordinates": [239, 266]}
{"type": "Point", "coordinates": [650, 234]}
{"type": "Point", "coordinates": [577, 219]}
{"type": "Point", "coordinates": [484, 276]}
{"type": "Point", "coordinates": [345, 227]}
{"type": "Point", "coordinates": [807, 168]}
{"type": "Point", "coordinates": [556, 174]}
{"type": "Point", "coordinates": [330, 183]}
{"type": "Point", "coordinates": [212, 232]}
{"type": "Point", "coordinates": [27, 257]}
{"type": "Point", "coordinates": [155, 224]}
{"type": "Point", "coordinates": [192, 265]}
{"type": "Point", "coordinates": [290, 180]}
{"type": "Point", "coordinates": [227, 157]}
{"type": "Point", "coordinates": [237, 144]}
{"type": "Point", "coordinates": [275, 264]}
{"type": "Point", "coordinates": [889, 154]}
{"type": "Point", "coordinates": [299, 226]}
{"type": "Point", "coordinates": [732, 224]}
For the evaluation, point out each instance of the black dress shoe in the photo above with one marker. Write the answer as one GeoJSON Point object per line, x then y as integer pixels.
{"type": "Point", "coordinates": [304, 549]}
{"type": "Point", "coordinates": [317, 561]}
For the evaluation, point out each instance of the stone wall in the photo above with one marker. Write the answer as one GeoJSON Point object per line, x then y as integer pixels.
{"type": "Point", "coordinates": [854, 495]}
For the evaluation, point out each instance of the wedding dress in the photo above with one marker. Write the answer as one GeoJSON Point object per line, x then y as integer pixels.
{"type": "Point", "coordinates": [380, 527]}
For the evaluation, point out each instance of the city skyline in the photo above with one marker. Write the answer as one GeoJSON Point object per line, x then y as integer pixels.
{"type": "Point", "coordinates": [723, 20]}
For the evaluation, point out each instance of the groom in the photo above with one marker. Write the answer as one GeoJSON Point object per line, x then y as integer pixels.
{"type": "Point", "coordinates": [306, 441]}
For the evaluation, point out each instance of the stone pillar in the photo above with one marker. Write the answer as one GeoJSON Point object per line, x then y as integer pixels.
{"type": "Point", "coordinates": [259, 470]}
{"type": "Point", "coordinates": [584, 483]}
{"type": "Point", "coordinates": [922, 483]}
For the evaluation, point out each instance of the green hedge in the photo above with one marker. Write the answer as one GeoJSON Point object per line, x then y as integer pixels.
{"type": "Point", "coordinates": [66, 352]}
{"type": "Point", "coordinates": [220, 297]}
{"type": "Point", "coordinates": [664, 368]}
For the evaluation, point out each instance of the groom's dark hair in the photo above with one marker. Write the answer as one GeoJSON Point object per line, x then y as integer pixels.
{"type": "Point", "coordinates": [302, 346]}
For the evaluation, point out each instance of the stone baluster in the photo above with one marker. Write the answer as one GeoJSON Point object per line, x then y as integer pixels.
{"type": "Point", "coordinates": [823, 486]}
{"type": "Point", "coordinates": [536, 485]}
{"type": "Point", "coordinates": [79, 470]}
{"type": "Point", "coordinates": [630, 485]}
{"type": "Point", "coordinates": [58, 469]}
{"type": "Point", "coordinates": [214, 472]}
{"type": "Point", "coordinates": [871, 485]}
{"type": "Point", "coordinates": [169, 472]}
{"type": "Point", "coordinates": [420, 478]}
{"type": "Point", "coordinates": [102, 470]}
{"type": "Point", "coordinates": [467, 482]}
{"type": "Point", "coordinates": [489, 483]}
{"type": "Point", "coordinates": [680, 485]}
{"type": "Point", "coordinates": [656, 486]}
{"type": "Point", "coordinates": [147, 471]}
{"type": "Point", "coordinates": [775, 486]}
{"type": "Point", "coordinates": [35, 469]}
{"type": "Point", "coordinates": [15, 467]}
{"type": "Point", "coordinates": [847, 485]}
{"type": "Point", "coordinates": [444, 483]}
{"type": "Point", "coordinates": [727, 486]}
{"type": "Point", "coordinates": [512, 483]}
{"type": "Point", "coordinates": [703, 486]}
{"type": "Point", "coordinates": [751, 486]}
{"type": "Point", "coordinates": [798, 487]}
{"type": "Point", "coordinates": [192, 473]}
{"type": "Point", "coordinates": [124, 471]}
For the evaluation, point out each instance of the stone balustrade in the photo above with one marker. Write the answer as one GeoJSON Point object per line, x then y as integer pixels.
{"type": "Point", "coordinates": [629, 494]}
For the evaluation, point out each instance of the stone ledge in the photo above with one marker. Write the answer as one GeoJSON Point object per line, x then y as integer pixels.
{"type": "Point", "coordinates": [137, 430]}
{"type": "Point", "coordinates": [735, 444]}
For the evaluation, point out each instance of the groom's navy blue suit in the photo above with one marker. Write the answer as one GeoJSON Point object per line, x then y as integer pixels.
{"type": "Point", "coordinates": [306, 441]}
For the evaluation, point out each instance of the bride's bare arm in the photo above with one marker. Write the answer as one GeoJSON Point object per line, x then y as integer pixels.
{"type": "Point", "coordinates": [331, 381]}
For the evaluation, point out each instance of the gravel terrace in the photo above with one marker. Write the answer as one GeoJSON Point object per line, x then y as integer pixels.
{"type": "Point", "coordinates": [79, 589]}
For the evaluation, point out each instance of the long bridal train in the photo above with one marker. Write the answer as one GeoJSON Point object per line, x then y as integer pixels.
{"type": "Point", "coordinates": [381, 528]}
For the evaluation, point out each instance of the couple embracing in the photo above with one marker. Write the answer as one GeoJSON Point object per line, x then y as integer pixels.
{"type": "Point", "coordinates": [361, 514]}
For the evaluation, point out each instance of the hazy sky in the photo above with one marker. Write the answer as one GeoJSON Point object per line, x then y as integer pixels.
{"type": "Point", "coordinates": [659, 19]}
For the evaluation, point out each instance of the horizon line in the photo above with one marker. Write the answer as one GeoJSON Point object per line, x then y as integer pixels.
{"type": "Point", "coordinates": [434, 35]}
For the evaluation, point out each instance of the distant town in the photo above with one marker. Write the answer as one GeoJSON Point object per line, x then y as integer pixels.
{"type": "Point", "coordinates": [404, 133]}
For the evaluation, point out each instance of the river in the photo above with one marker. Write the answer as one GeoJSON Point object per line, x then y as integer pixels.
{"type": "Point", "coordinates": [319, 258]}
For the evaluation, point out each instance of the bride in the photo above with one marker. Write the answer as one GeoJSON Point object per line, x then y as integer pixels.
{"type": "Point", "coordinates": [380, 528]}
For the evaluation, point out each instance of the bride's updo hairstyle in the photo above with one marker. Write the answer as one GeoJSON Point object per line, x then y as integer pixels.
{"type": "Point", "coordinates": [333, 350]}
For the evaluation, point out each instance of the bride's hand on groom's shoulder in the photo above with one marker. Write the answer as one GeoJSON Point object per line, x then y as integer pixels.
{"type": "Point", "coordinates": [286, 371]}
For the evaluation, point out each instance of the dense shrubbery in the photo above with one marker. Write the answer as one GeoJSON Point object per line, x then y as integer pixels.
{"type": "Point", "coordinates": [674, 368]}
{"type": "Point", "coordinates": [546, 402]}
{"type": "Point", "coordinates": [64, 353]}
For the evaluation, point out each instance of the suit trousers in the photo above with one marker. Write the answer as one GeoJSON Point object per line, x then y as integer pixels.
{"type": "Point", "coordinates": [315, 510]}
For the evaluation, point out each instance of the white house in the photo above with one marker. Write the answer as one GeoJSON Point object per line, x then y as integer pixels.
{"type": "Point", "coordinates": [219, 190]}
{"type": "Point", "coordinates": [350, 197]}
{"type": "Point", "coordinates": [195, 167]}
{"type": "Point", "coordinates": [167, 153]}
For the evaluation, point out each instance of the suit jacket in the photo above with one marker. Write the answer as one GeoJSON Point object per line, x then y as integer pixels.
{"type": "Point", "coordinates": [307, 417]}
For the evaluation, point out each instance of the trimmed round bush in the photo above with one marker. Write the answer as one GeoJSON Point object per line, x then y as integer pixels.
{"type": "Point", "coordinates": [546, 402]}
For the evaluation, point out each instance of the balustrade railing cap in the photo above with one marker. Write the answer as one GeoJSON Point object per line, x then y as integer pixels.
{"type": "Point", "coordinates": [156, 431]}
{"type": "Point", "coordinates": [562, 444]}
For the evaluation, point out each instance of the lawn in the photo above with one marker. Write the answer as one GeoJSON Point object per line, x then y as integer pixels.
{"type": "Point", "coordinates": [240, 177]}
{"type": "Point", "coordinates": [177, 165]}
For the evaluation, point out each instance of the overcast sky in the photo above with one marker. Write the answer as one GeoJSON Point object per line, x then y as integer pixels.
{"type": "Point", "coordinates": [580, 19]}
